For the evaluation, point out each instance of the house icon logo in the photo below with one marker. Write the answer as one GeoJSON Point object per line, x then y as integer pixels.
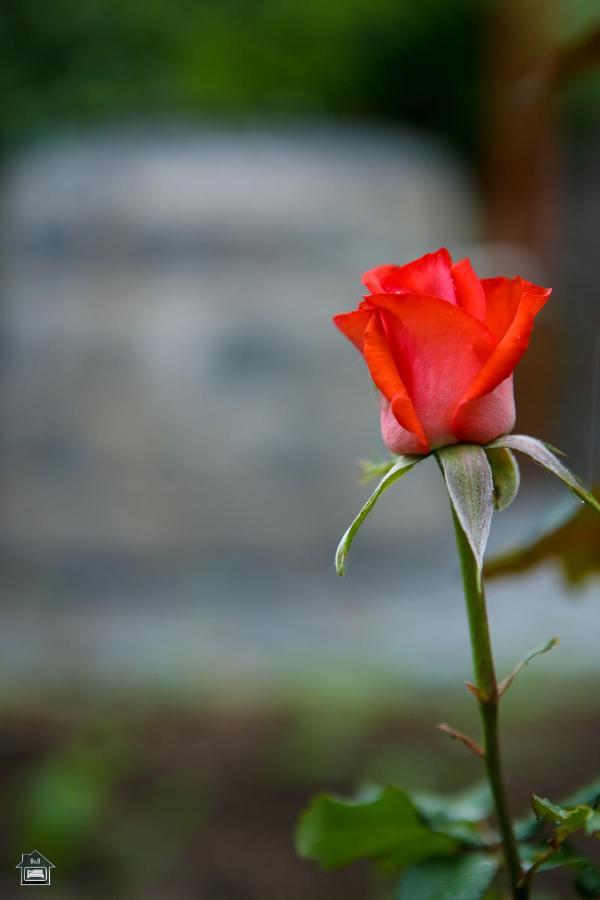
{"type": "Point", "coordinates": [35, 868]}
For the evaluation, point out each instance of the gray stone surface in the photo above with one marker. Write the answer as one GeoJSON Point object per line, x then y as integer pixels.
{"type": "Point", "coordinates": [180, 420]}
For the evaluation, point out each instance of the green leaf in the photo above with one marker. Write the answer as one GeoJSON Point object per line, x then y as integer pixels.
{"type": "Point", "coordinates": [567, 821]}
{"type": "Point", "coordinates": [579, 818]}
{"type": "Point", "coordinates": [505, 474]}
{"type": "Point", "coordinates": [527, 828]}
{"type": "Point", "coordinates": [543, 859]}
{"type": "Point", "coordinates": [536, 856]}
{"type": "Point", "coordinates": [571, 537]}
{"type": "Point", "coordinates": [474, 804]}
{"type": "Point", "coordinates": [335, 832]}
{"type": "Point", "coordinates": [457, 814]}
{"type": "Point", "coordinates": [587, 883]}
{"type": "Point", "coordinates": [401, 466]}
{"type": "Point", "coordinates": [370, 469]}
{"type": "Point", "coordinates": [592, 826]}
{"type": "Point", "coordinates": [506, 682]}
{"type": "Point", "coordinates": [588, 794]}
{"type": "Point", "coordinates": [463, 878]}
{"type": "Point", "coordinates": [545, 809]}
{"type": "Point", "coordinates": [471, 489]}
{"type": "Point", "coordinates": [541, 454]}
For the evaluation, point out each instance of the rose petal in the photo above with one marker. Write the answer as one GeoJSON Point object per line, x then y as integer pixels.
{"type": "Point", "coordinates": [510, 348]}
{"type": "Point", "coordinates": [490, 416]}
{"type": "Point", "coordinates": [438, 349]}
{"type": "Point", "coordinates": [395, 437]}
{"type": "Point", "coordinates": [502, 298]}
{"type": "Point", "coordinates": [384, 373]}
{"type": "Point", "coordinates": [469, 290]}
{"type": "Point", "coordinates": [428, 275]}
{"type": "Point", "coordinates": [353, 325]}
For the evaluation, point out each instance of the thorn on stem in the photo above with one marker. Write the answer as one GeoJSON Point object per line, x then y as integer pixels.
{"type": "Point", "coordinates": [506, 682]}
{"type": "Point", "coordinates": [456, 735]}
{"type": "Point", "coordinates": [477, 692]}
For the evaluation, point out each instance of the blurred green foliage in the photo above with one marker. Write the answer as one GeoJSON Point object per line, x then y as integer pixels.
{"type": "Point", "coordinates": [65, 799]}
{"type": "Point", "coordinates": [78, 61]}
{"type": "Point", "coordinates": [571, 539]}
{"type": "Point", "coordinates": [73, 61]}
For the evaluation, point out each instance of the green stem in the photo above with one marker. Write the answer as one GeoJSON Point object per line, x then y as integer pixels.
{"type": "Point", "coordinates": [487, 697]}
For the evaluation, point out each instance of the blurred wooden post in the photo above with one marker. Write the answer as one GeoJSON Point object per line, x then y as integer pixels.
{"type": "Point", "coordinates": [519, 141]}
{"type": "Point", "coordinates": [527, 66]}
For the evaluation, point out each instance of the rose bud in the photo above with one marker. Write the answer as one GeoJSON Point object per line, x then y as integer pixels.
{"type": "Point", "coordinates": [441, 346]}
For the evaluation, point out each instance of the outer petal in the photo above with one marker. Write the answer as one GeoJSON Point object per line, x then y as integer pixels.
{"type": "Point", "coordinates": [438, 349]}
{"type": "Point", "coordinates": [428, 275]}
{"type": "Point", "coordinates": [490, 416]}
{"type": "Point", "coordinates": [469, 290]}
{"type": "Point", "coordinates": [395, 437]}
{"type": "Point", "coordinates": [509, 350]}
{"type": "Point", "coordinates": [353, 325]}
{"type": "Point", "coordinates": [503, 297]}
{"type": "Point", "coordinates": [384, 373]}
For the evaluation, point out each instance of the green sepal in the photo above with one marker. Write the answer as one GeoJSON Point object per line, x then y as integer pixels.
{"type": "Point", "coordinates": [385, 827]}
{"type": "Point", "coordinates": [544, 456]}
{"type": "Point", "coordinates": [505, 474]}
{"type": "Point", "coordinates": [400, 467]}
{"type": "Point", "coordinates": [466, 877]}
{"type": "Point", "coordinates": [471, 489]}
{"type": "Point", "coordinates": [370, 469]}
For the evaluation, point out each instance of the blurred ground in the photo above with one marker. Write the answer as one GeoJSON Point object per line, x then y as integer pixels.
{"type": "Point", "coordinates": [171, 801]}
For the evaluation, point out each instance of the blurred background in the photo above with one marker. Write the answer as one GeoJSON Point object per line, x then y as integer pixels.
{"type": "Point", "coordinates": [188, 192]}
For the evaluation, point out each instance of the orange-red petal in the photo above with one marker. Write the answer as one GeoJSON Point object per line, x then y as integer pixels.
{"type": "Point", "coordinates": [353, 325]}
{"type": "Point", "coordinates": [437, 348]}
{"type": "Point", "coordinates": [514, 341]}
{"type": "Point", "coordinates": [428, 275]}
{"type": "Point", "coordinates": [469, 290]}
{"type": "Point", "coordinates": [382, 366]}
{"type": "Point", "coordinates": [502, 299]}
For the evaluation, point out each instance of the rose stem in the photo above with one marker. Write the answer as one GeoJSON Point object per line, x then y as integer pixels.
{"type": "Point", "coordinates": [487, 697]}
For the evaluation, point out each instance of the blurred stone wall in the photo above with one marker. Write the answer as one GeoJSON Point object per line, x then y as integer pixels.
{"type": "Point", "coordinates": [170, 373]}
{"type": "Point", "coordinates": [180, 421]}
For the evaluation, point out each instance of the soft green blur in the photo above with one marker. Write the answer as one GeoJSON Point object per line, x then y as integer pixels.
{"type": "Point", "coordinates": [395, 60]}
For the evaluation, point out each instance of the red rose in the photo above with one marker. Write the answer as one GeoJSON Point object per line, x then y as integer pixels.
{"type": "Point", "coordinates": [441, 345]}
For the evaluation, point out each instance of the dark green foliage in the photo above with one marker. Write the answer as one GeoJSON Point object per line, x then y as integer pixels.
{"type": "Point", "coordinates": [462, 878]}
{"type": "Point", "coordinates": [573, 542]}
{"type": "Point", "coordinates": [385, 827]}
{"type": "Point", "coordinates": [444, 846]}
{"type": "Point", "coordinates": [77, 60]}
